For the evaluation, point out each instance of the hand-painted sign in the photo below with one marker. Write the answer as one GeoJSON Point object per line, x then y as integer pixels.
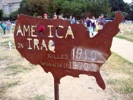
{"type": "Point", "coordinates": [63, 48]}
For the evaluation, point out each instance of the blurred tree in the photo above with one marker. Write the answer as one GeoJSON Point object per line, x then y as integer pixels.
{"type": "Point", "coordinates": [75, 8]}
{"type": "Point", "coordinates": [117, 5]}
{"type": "Point", "coordinates": [71, 8]}
{"type": "Point", "coordinates": [130, 13]}
{"type": "Point", "coordinates": [24, 7]}
{"type": "Point", "coordinates": [100, 7]}
{"type": "Point", "coordinates": [79, 7]}
{"type": "Point", "coordinates": [1, 14]}
{"type": "Point", "coordinates": [30, 7]}
{"type": "Point", "coordinates": [13, 15]}
{"type": "Point", "coordinates": [38, 6]}
{"type": "Point", "coordinates": [54, 7]}
{"type": "Point", "coordinates": [120, 5]}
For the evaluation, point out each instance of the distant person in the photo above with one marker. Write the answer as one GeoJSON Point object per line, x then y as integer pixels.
{"type": "Point", "coordinates": [73, 20]}
{"type": "Point", "coordinates": [55, 16]}
{"type": "Point", "coordinates": [97, 26]}
{"type": "Point", "coordinates": [3, 27]}
{"type": "Point", "coordinates": [60, 17]}
{"type": "Point", "coordinates": [93, 20]}
{"type": "Point", "coordinates": [45, 16]}
{"type": "Point", "coordinates": [98, 20]}
{"type": "Point", "coordinates": [89, 26]}
{"type": "Point", "coordinates": [8, 26]}
{"type": "Point", "coordinates": [101, 21]}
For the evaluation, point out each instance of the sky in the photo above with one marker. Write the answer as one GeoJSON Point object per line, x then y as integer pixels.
{"type": "Point", "coordinates": [127, 1]}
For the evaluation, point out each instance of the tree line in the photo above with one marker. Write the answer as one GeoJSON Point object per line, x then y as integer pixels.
{"type": "Point", "coordinates": [77, 8]}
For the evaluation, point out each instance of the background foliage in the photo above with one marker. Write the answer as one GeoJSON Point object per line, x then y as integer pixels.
{"type": "Point", "coordinates": [77, 8]}
{"type": "Point", "coordinates": [1, 13]}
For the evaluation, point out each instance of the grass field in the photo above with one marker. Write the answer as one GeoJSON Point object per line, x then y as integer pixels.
{"type": "Point", "coordinates": [122, 82]}
{"type": "Point", "coordinates": [117, 72]}
{"type": "Point", "coordinates": [126, 31]}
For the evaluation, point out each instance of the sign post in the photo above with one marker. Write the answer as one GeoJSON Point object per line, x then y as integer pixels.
{"type": "Point", "coordinates": [56, 90]}
{"type": "Point", "coordinates": [63, 48]}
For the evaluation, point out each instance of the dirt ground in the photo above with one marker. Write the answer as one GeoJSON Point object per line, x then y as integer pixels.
{"type": "Point", "coordinates": [35, 84]}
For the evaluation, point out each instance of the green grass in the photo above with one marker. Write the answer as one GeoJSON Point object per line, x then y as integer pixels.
{"type": "Point", "coordinates": [5, 37]}
{"type": "Point", "coordinates": [6, 86]}
{"type": "Point", "coordinates": [5, 43]}
{"type": "Point", "coordinates": [126, 37]}
{"type": "Point", "coordinates": [123, 83]}
{"type": "Point", "coordinates": [123, 86]}
{"type": "Point", "coordinates": [13, 27]}
{"type": "Point", "coordinates": [1, 29]}
{"type": "Point", "coordinates": [15, 69]}
{"type": "Point", "coordinates": [126, 31]}
{"type": "Point", "coordinates": [41, 97]}
{"type": "Point", "coordinates": [3, 57]}
{"type": "Point", "coordinates": [115, 65]}
{"type": "Point", "coordinates": [120, 64]}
